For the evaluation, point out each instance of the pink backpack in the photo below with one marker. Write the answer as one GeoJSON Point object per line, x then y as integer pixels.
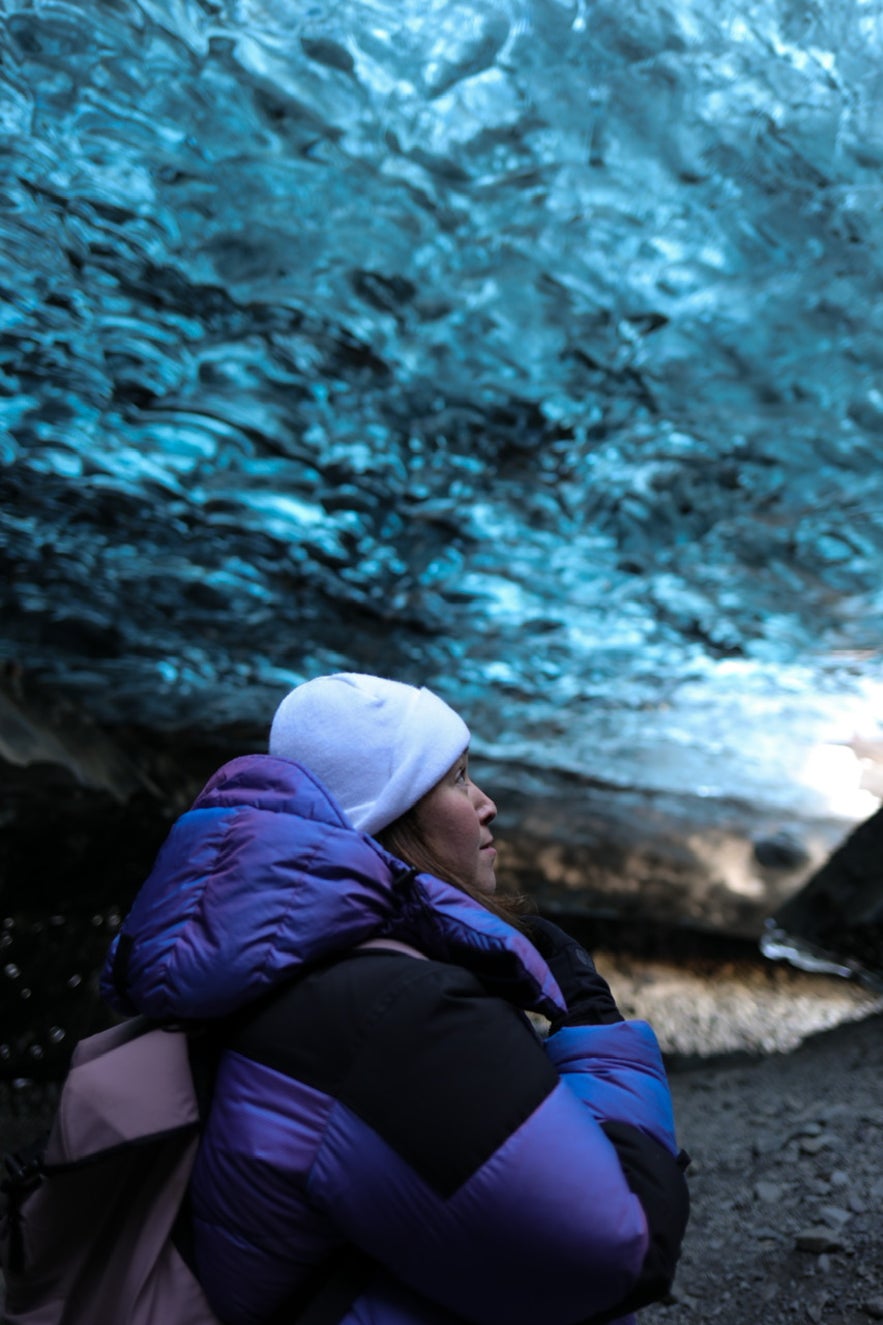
{"type": "Point", "coordinates": [87, 1236]}
{"type": "Point", "coordinates": [91, 1240]}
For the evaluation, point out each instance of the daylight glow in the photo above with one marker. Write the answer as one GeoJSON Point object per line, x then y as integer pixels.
{"type": "Point", "coordinates": [836, 773]}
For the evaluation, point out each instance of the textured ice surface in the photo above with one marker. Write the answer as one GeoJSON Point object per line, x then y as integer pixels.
{"type": "Point", "coordinates": [530, 348]}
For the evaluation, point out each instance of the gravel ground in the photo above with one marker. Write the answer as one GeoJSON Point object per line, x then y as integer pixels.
{"type": "Point", "coordinates": [777, 1077]}
{"type": "Point", "coordinates": [786, 1184]}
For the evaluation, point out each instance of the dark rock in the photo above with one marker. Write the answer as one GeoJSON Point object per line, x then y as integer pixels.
{"type": "Point", "coordinates": [780, 852]}
{"type": "Point", "coordinates": [836, 919]}
{"type": "Point", "coordinates": [818, 1240]}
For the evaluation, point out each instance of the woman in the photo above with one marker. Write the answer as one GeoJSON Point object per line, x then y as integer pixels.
{"type": "Point", "coordinates": [380, 1085]}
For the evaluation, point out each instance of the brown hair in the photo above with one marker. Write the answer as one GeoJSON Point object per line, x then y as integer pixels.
{"type": "Point", "coordinates": [404, 839]}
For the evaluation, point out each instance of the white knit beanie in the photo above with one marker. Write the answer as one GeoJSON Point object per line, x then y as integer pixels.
{"type": "Point", "coordinates": [377, 745]}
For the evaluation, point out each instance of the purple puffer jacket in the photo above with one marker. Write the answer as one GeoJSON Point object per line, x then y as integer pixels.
{"type": "Point", "coordinates": [540, 1224]}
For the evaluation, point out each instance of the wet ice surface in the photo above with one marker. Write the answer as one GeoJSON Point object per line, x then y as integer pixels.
{"type": "Point", "coordinates": [531, 347]}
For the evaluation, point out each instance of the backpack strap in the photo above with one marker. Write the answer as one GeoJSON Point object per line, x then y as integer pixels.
{"type": "Point", "coordinates": [24, 1173]}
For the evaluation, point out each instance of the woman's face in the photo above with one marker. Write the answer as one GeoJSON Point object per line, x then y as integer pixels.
{"type": "Point", "coordinates": [454, 822]}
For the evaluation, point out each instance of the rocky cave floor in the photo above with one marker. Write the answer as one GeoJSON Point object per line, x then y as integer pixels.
{"type": "Point", "coordinates": [786, 1185]}
{"type": "Point", "coordinates": [786, 1179]}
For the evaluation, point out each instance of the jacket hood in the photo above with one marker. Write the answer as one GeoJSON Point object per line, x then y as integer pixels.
{"type": "Point", "coordinates": [264, 876]}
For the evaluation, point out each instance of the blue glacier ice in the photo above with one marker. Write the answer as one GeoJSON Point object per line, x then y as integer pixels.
{"type": "Point", "coordinates": [528, 348]}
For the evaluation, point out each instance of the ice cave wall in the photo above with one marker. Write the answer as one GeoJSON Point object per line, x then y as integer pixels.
{"type": "Point", "coordinates": [528, 349]}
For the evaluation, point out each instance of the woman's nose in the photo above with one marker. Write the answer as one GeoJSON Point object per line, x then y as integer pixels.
{"type": "Point", "coordinates": [485, 807]}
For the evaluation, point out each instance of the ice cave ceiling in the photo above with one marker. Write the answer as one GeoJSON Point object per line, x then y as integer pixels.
{"type": "Point", "coordinates": [530, 349]}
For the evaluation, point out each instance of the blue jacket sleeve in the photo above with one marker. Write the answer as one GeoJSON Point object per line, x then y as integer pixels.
{"type": "Point", "coordinates": [618, 1074]}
